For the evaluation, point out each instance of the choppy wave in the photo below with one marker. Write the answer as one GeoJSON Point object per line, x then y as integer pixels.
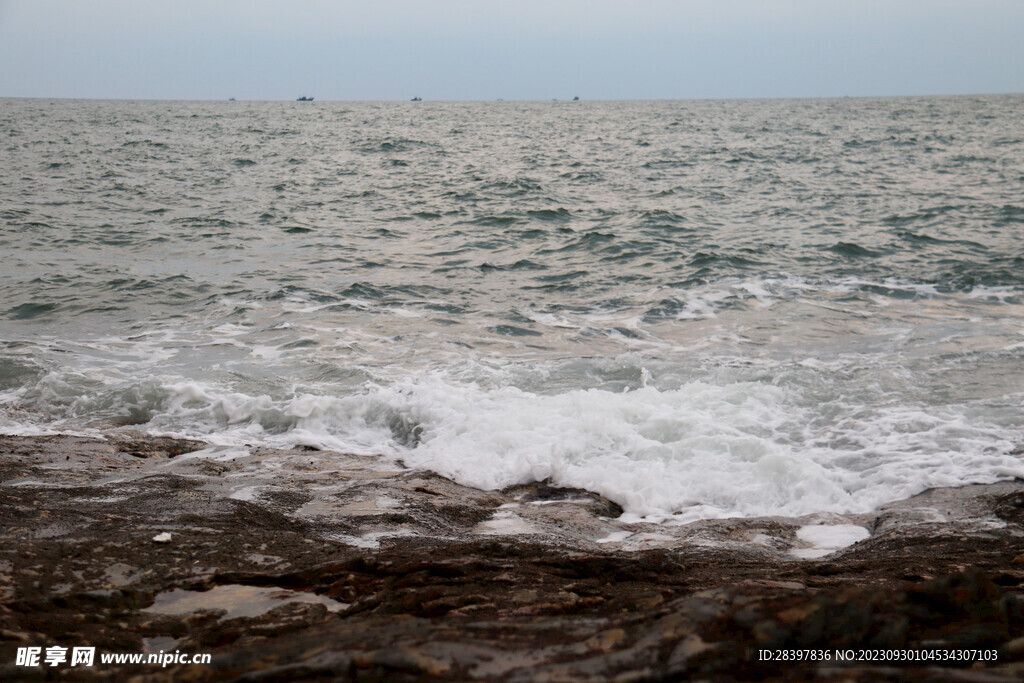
{"type": "Point", "coordinates": [695, 308]}
{"type": "Point", "coordinates": [793, 438]}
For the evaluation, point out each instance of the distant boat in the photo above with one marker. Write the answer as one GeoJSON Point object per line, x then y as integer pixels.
{"type": "Point", "coordinates": [576, 99]}
{"type": "Point", "coordinates": [231, 99]}
{"type": "Point", "coordinates": [305, 98]}
{"type": "Point", "coordinates": [416, 99]}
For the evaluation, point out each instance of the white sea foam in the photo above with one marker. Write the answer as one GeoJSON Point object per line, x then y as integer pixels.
{"type": "Point", "coordinates": [669, 438]}
{"type": "Point", "coordinates": [702, 450]}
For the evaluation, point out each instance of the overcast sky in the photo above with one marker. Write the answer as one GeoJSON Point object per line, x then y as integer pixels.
{"type": "Point", "coordinates": [526, 49]}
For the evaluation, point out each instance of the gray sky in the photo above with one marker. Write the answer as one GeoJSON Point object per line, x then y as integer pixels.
{"type": "Point", "coordinates": [526, 49]}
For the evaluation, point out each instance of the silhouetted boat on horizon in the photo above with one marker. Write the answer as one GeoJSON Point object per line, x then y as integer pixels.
{"type": "Point", "coordinates": [305, 98]}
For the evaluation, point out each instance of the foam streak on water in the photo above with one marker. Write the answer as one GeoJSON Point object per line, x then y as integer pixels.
{"type": "Point", "coordinates": [697, 309]}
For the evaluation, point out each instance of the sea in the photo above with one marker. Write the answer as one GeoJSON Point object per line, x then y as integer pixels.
{"type": "Point", "coordinates": [698, 309]}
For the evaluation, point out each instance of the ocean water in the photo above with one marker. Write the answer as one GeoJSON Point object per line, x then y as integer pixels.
{"type": "Point", "coordinates": [698, 309]}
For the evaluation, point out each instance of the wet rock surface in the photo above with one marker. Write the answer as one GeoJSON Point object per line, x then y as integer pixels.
{"type": "Point", "coordinates": [288, 565]}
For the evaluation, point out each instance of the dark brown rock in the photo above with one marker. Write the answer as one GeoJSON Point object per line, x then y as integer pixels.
{"type": "Point", "coordinates": [352, 568]}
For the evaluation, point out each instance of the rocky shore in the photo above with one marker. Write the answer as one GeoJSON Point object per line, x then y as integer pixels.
{"type": "Point", "coordinates": [287, 565]}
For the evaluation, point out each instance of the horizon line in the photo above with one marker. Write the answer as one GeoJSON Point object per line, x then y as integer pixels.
{"type": "Point", "coordinates": [513, 100]}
